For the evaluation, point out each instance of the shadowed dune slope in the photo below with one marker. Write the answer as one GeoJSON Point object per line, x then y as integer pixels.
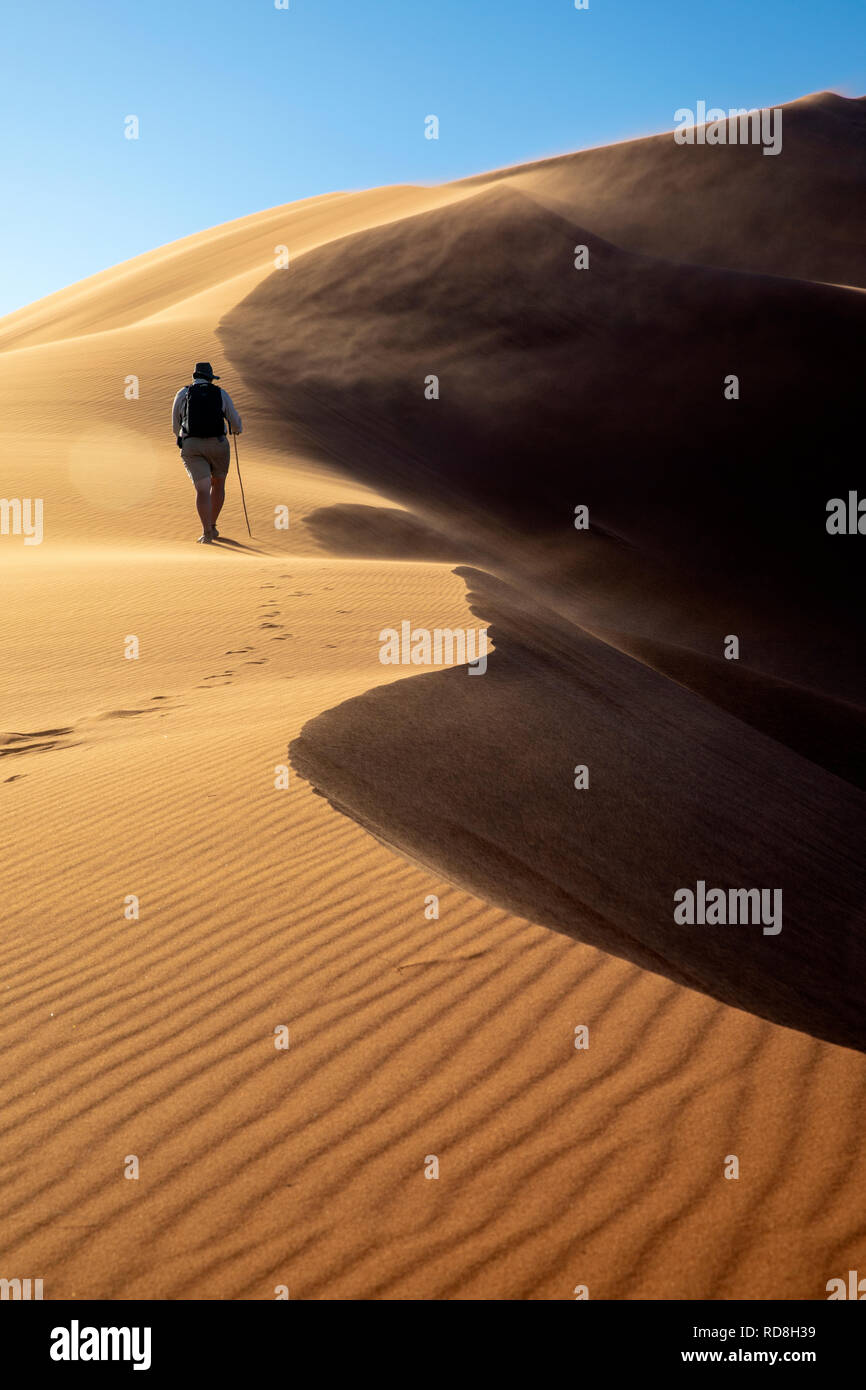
{"type": "Point", "coordinates": [679, 791]}
{"type": "Point", "coordinates": [606, 388]}
{"type": "Point", "coordinates": [558, 387]}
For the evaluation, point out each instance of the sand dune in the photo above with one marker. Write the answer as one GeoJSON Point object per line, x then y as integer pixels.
{"type": "Point", "coordinates": [578, 387]}
{"type": "Point", "coordinates": [259, 907]}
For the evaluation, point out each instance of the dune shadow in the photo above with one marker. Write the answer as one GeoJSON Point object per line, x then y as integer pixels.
{"type": "Point", "coordinates": [667, 399]}
{"type": "Point", "coordinates": [474, 778]}
{"type": "Point", "coordinates": [237, 545]}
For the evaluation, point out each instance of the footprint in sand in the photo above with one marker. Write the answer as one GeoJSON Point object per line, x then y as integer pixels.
{"type": "Point", "coordinates": [439, 960]}
{"type": "Point", "coordinates": [126, 713]}
{"type": "Point", "coordinates": [37, 733]}
{"type": "Point", "coordinates": [16, 777]}
{"type": "Point", "coordinates": [270, 624]}
{"type": "Point", "coordinates": [41, 741]}
{"type": "Point", "coordinates": [261, 662]}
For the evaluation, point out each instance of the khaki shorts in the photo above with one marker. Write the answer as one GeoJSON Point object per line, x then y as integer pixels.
{"type": "Point", "coordinates": [206, 458]}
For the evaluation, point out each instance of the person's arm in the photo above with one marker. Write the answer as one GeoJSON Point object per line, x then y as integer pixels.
{"type": "Point", "coordinates": [177, 411]}
{"type": "Point", "coordinates": [230, 413]}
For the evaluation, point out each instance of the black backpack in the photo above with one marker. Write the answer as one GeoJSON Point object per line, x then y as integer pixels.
{"type": "Point", "coordinates": [203, 413]}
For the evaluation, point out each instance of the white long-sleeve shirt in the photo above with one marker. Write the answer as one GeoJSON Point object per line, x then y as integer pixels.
{"type": "Point", "coordinates": [228, 411]}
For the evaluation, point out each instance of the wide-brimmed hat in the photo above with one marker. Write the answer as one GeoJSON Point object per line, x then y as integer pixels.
{"type": "Point", "coordinates": [205, 369]}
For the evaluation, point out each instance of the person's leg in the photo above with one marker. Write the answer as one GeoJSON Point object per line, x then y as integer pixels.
{"type": "Point", "coordinates": [219, 459]}
{"type": "Point", "coordinates": [217, 496]}
{"type": "Point", "coordinates": [203, 504]}
{"type": "Point", "coordinates": [198, 470]}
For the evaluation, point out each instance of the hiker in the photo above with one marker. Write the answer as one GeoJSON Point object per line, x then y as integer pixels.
{"type": "Point", "coordinates": [198, 421]}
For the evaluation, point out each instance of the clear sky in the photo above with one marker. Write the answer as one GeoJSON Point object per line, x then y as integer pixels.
{"type": "Point", "coordinates": [243, 106]}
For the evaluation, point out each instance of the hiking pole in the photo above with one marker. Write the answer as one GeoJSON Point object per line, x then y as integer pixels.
{"type": "Point", "coordinates": [241, 481]}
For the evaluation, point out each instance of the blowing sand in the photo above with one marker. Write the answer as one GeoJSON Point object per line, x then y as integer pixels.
{"type": "Point", "coordinates": [258, 907]}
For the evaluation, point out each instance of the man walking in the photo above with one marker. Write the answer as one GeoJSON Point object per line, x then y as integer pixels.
{"type": "Point", "coordinates": [198, 419]}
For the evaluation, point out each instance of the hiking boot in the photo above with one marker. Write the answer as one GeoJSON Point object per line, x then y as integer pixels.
{"type": "Point", "coordinates": [215, 535]}
{"type": "Point", "coordinates": [204, 538]}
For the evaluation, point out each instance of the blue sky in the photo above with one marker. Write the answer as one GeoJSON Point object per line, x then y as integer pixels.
{"type": "Point", "coordinates": [243, 106]}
